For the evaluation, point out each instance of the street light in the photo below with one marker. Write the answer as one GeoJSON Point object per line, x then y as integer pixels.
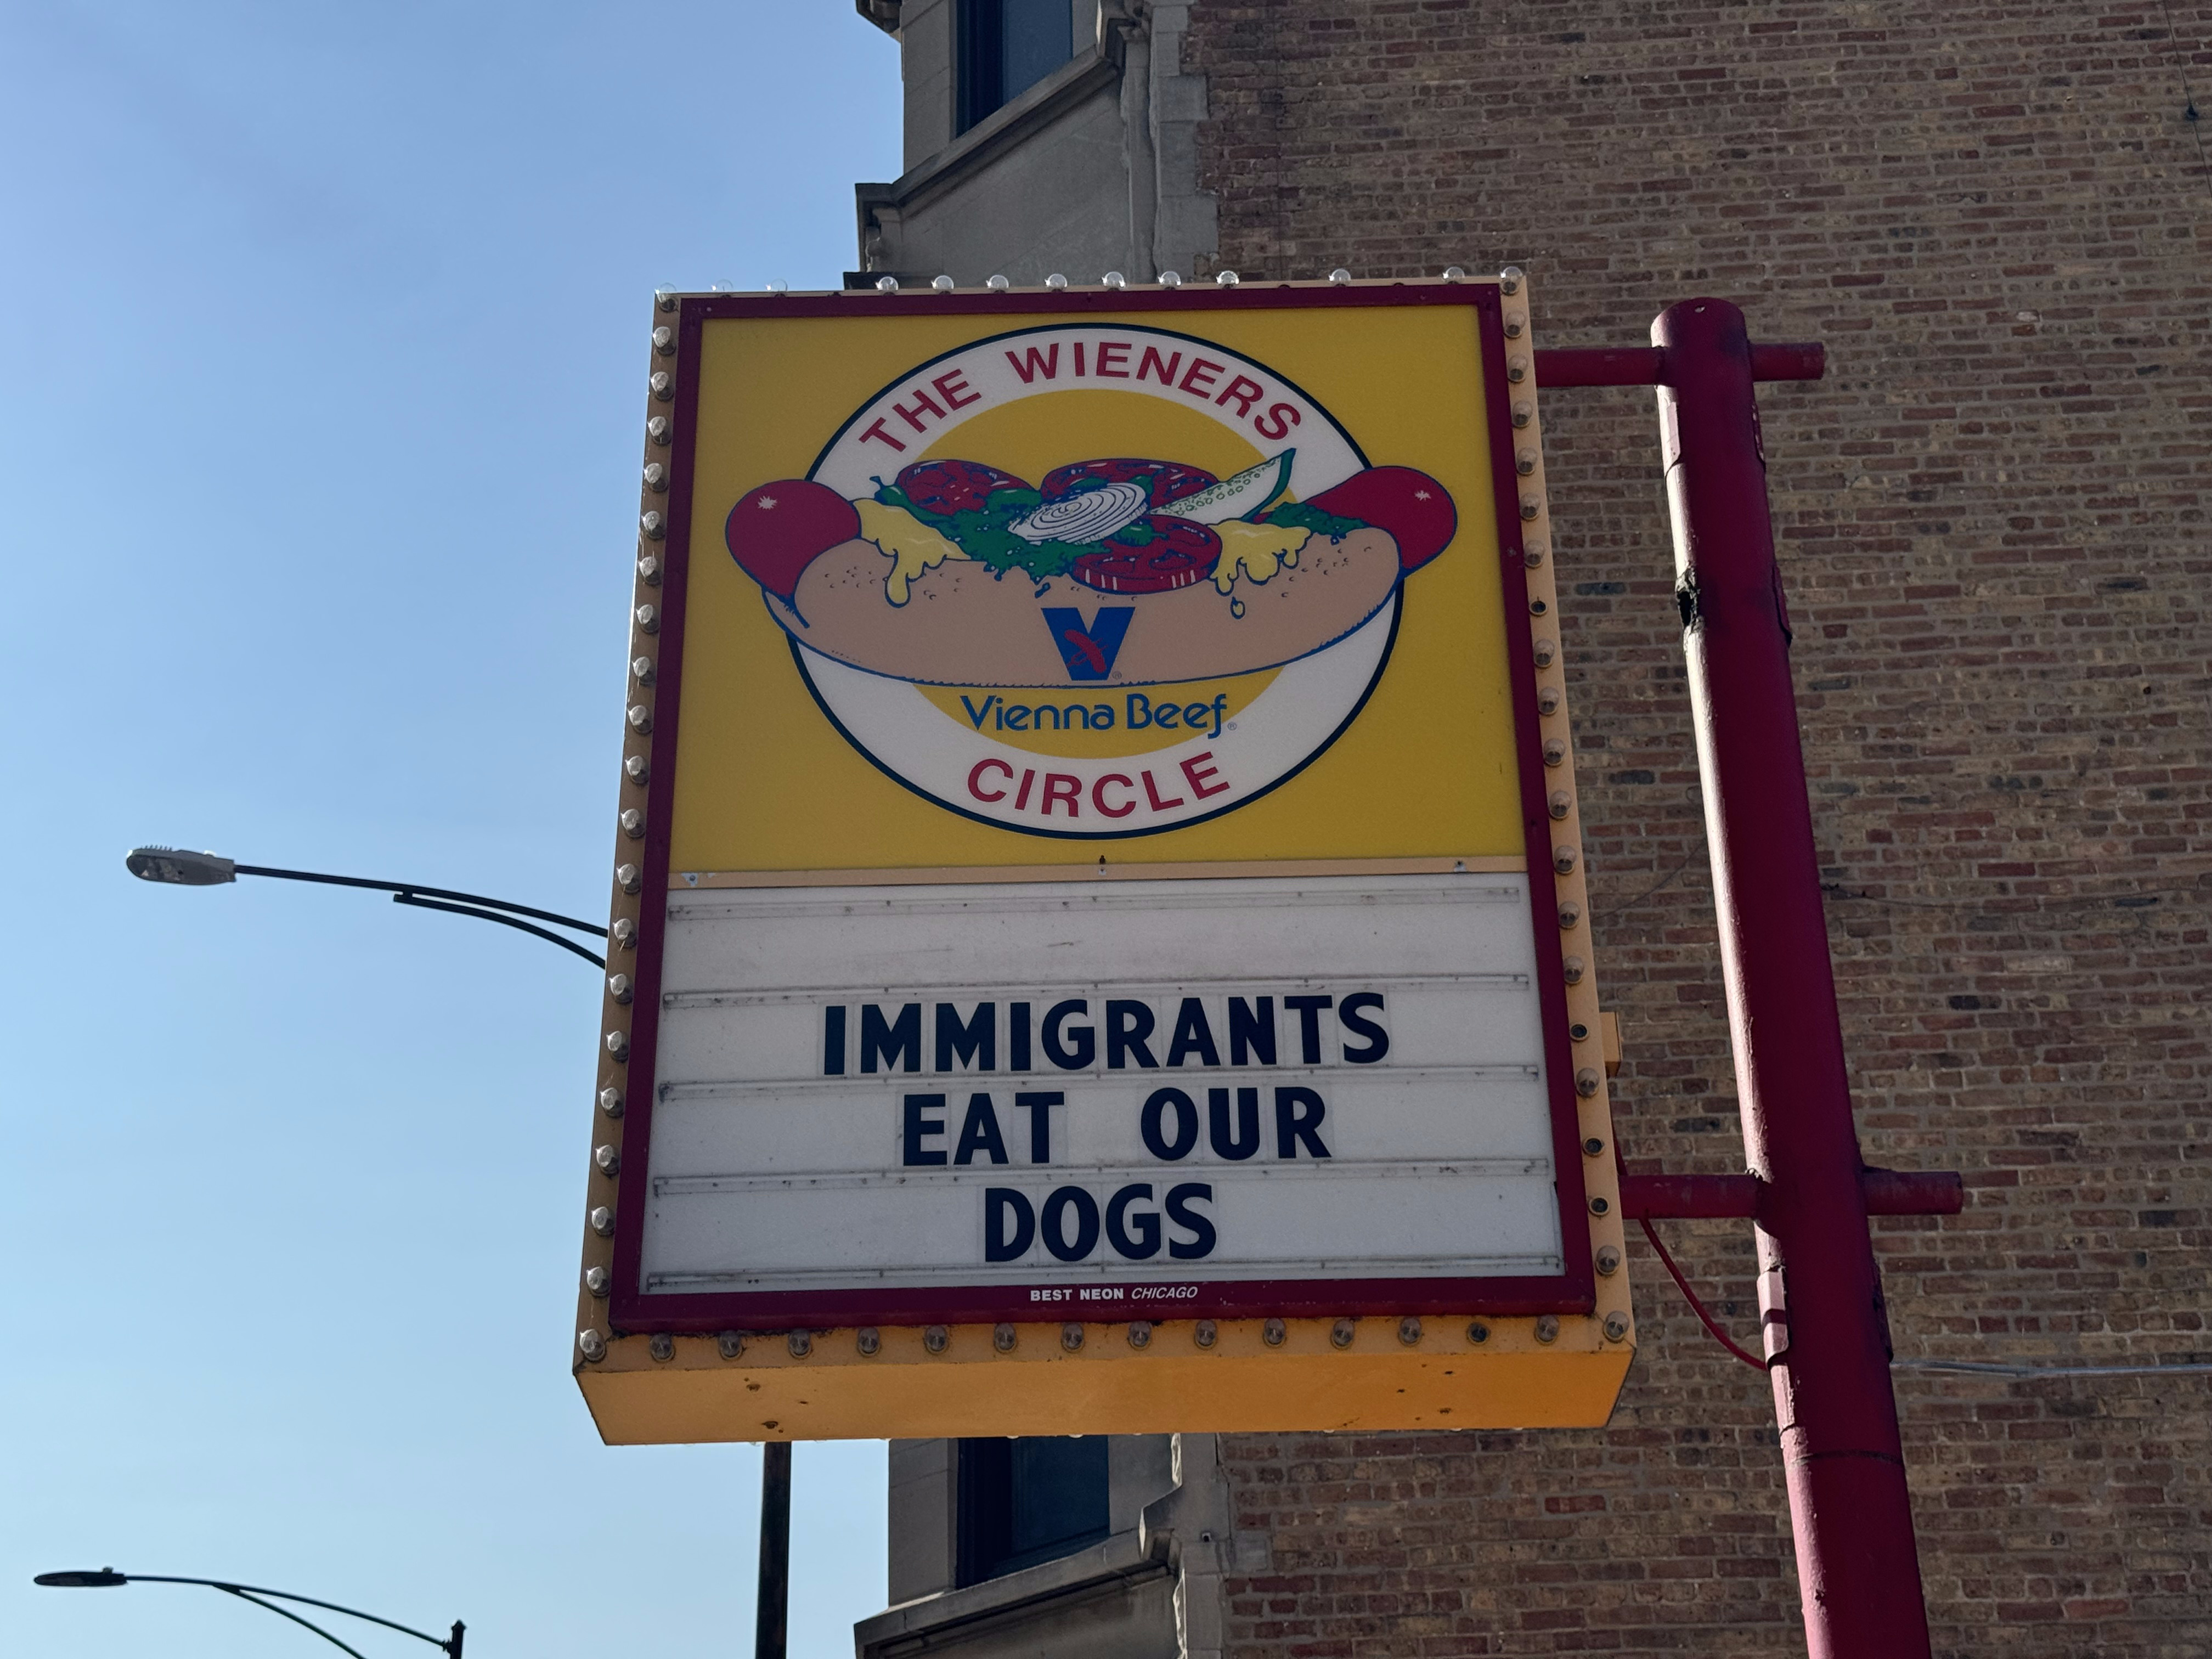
{"type": "Point", "coordinates": [108, 1578]}
{"type": "Point", "coordinates": [175, 867]}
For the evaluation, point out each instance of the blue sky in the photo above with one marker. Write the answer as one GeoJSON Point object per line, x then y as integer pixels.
{"type": "Point", "coordinates": [321, 356]}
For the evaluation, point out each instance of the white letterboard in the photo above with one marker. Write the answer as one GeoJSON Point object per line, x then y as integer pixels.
{"type": "Point", "coordinates": [1137, 1092]}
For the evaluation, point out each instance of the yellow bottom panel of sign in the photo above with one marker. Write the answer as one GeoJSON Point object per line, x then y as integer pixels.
{"type": "Point", "coordinates": [968, 1380]}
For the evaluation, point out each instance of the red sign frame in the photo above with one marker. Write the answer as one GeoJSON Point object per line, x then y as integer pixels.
{"type": "Point", "coordinates": [634, 1310]}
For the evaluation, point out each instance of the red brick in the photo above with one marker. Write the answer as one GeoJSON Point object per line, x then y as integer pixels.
{"type": "Point", "coordinates": [1993, 517]}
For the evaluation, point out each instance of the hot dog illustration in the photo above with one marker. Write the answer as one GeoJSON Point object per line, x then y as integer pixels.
{"type": "Point", "coordinates": [1120, 570]}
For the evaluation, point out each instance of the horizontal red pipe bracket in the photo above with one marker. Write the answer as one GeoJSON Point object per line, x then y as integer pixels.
{"type": "Point", "coordinates": [1713, 1198]}
{"type": "Point", "coordinates": [1558, 367]}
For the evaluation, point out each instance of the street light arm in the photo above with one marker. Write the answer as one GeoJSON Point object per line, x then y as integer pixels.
{"type": "Point", "coordinates": [177, 868]}
{"type": "Point", "coordinates": [593, 928]}
{"type": "Point", "coordinates": [253, 1592]}
{"type": "Point", "coordinates": [286, 1612]}
{"type": "Point", "coordinates": [410, 897]}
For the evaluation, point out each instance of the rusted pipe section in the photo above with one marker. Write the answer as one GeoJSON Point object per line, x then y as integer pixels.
{"type": "Point", "coordinates": [1572, 365]}
{"type": "Point", "coordinates": [1913, 1192]}
{"type": "Point", "coordinates": [1827, 1342]}
{"type": "Point", "coordinates": [1565, 366]}
{"type": "Point", "coordinates": [1716, 1197]}
{"type": "Point", "coordinates": [1688, 1197]}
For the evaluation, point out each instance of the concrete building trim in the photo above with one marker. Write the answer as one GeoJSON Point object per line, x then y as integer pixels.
{"type": "Point", "coordinates": [925, 1519]}
{"type": "Point", "coordinates": [1194, 1527]}
{"type": "Point", "coordinates": [1097, 1592]}
{"type": "Point", "coordinates": [1150, 1589]}
{"type": "Point", "coordinates": [883, 209]}
{"type": "Point", "coordinates": [1184, 238]}
{"type": "Point", "coordinates": [883, 13]}
{"type": "Point", "coordinates": [1096, 165]}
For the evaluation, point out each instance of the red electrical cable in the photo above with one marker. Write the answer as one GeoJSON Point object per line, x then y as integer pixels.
{"type": "Point", "coordinates": [1697, 1307]}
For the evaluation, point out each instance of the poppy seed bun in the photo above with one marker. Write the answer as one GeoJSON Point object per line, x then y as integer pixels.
{"type": "Point", "coordinates": [963, 626]}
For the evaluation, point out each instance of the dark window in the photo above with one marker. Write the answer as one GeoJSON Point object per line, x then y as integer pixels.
{"type": "Point", "coordinates": [1008, 46]}
{"type": "Point", "coordinates": [1026, 1501]}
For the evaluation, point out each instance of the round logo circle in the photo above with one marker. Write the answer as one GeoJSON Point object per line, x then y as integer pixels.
{"type": "Point", "coordinates": [1091, 581]}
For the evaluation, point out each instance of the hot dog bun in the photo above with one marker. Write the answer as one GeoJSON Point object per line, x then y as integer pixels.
{"type": "Point", "coordinates": [1120, 571]}
{"type": "Point", "coordinates": [961, 625]}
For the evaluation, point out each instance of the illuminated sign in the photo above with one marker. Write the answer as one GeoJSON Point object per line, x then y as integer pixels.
{"type": "Point", "coordinates": [1095, 860]}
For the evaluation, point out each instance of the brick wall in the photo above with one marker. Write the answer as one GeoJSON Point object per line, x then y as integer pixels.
{"type": "Point", "coordinates": [1993, 519]}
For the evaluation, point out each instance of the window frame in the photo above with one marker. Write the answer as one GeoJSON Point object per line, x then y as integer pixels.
{"type": "Point", "coordinates": [988, 1474]}
{"type": "Point", "coordinates": [979, 61]}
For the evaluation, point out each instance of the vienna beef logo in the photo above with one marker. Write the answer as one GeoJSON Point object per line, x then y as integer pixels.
{"type": "Point", "coordinates": [1108, 644]}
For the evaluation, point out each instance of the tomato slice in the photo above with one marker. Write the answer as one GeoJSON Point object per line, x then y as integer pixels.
{"type": "Point", "coordinates": [1411, 506]}
{"type": "Point", "coordinates": [1180, 554]}
{"type": "Point", "coordinates": [949, 486]}
{"type": "Point", "coordinates": [1170, 480]}
{"type": "Point", "coordinates": [777, 530]}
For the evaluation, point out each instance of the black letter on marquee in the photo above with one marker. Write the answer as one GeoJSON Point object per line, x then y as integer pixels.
{"type": "Point", "coordinates": [1084, 1044]}
{"type": "Point", "coordinates": [1127, 1025]}
{"type": "Point", "coordinates": [1149, 1124]}
{"type": "Point", "coordinates": [976, 1043]}
{"type": "Point", "coordinates": [1039, 1106]}
{"type": "Point", "coordinates": [1192, 1035]}
{"type": "Point", "coordinates": [978, 1133]}
{"type": "Point", "coordinates": [1246, 1141]}
{"type": "Point", "coordinates": [899, 1041]}
{"type": "Point", "coordinates": [1309, 1012]}
{"type": "Point", "coordinates": [1017, 1037]}
{"type": "Point", "coordinates": [833, 1040]}
{"type": "Point", "coordinates": [1251, 1031]}
{"type": "Point", "coordinates": [1293, 1126]}
{"type": "Point", "coordinates": [1146, 1243]}
{"type": "Point", "coordinates": [1055, 1228]}
{"type": "Point", "coordinates": [1003, 1242]}
{"type": "Point", "coordinates": [917, 1127]}
{"type": "Point", "coordinates": [1179, 1211]}
{"type": "Point", "coordinates": [1351, 1013]}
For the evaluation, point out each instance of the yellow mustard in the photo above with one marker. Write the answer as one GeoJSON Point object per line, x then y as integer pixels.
{"type": "Point", "coordinates": [911, 546]}
{"type": "Point", "coordinates": [1255, 552]}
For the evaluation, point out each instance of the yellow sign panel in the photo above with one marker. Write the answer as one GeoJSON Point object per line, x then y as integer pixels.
{"type": "Point", "coordinates": [1098, 894]}
{"type": "Point", "coordinates": [970, 644]}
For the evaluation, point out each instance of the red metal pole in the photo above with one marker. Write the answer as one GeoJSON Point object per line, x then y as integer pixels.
{"type": "Point", "coordinates": [1858, 1571]}
{"type": "Point", "coordinates": [1888, 1192]}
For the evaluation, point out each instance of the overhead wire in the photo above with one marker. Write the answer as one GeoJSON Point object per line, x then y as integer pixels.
{"type": "Point", "coordinates": [1697, 1307]}
{"type": "Point", "coordinates": [2188, 97]}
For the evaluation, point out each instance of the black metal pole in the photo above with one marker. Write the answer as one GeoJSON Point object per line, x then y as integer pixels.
{"type": "Point", "coordinates": [774, 1605]}
{"type": "Point", "coordinates": [569, 945]}
{"type": "Point", "coordinates": [459, 905]}
{"type": "Point", "coordinates": [374, 886]}
{"type": "Point", "coordinates": [108, 1578]}
{"type": "Point", "coordinates": [174, 867]}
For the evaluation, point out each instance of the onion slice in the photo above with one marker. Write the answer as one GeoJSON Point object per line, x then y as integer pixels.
{"type": "Point", "coordinates": [1090, 515]}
